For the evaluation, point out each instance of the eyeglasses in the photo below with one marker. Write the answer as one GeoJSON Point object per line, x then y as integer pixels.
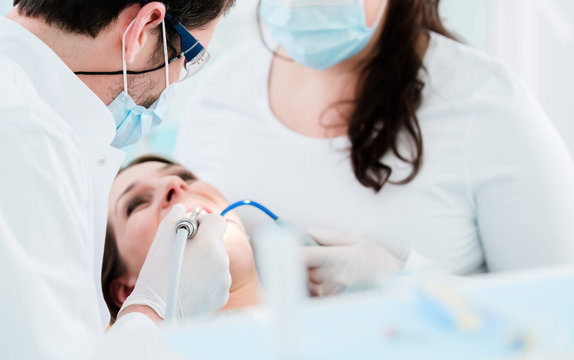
{"type": "Point", "coordinates": [196, 56]}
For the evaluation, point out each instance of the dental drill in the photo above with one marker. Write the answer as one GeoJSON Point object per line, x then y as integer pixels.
{"type": "Point", "coordinates": [186, 229]}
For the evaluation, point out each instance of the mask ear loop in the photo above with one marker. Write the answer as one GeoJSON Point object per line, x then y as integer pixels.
{"type": "Point", "coordinates": [165, 53]}
{"type": "Point", "coordinates": [124, 63]}
{"type": "Point", "coordinates": [379, 14]}
{"type": "Point", "coordinates": [260, 28]}
{"type": "Point", "coordinates": [165, 56]}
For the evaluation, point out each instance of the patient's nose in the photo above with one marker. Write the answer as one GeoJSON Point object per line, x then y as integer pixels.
{"type": "Point", "coordinates": [172, 192]}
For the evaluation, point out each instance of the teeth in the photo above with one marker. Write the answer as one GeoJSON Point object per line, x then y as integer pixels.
{"type": "Point", "coordinates": [198, 210]}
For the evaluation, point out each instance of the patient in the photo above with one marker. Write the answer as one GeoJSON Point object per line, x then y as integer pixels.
{"type": "Point", "coordinates": [142, 194]}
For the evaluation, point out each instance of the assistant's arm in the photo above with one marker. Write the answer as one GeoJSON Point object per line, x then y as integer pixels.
{"type": "Point", "coordinates": [521, 180]}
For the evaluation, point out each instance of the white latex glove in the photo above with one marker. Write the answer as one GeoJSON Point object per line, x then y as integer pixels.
{"type": "Point", "coordinates": [344, 262]}
{"type": "Point", "coordinates": [205, 278]}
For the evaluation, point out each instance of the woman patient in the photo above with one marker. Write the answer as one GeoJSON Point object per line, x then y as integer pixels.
{"type": "Point", "coordinates": [142, 194]}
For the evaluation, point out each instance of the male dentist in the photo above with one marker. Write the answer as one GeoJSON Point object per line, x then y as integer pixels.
{"type": "Point", "coordinates": [78, 80]}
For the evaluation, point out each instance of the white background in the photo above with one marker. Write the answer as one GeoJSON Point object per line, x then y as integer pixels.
{"type": "Point", "coordinates": [533, 37]}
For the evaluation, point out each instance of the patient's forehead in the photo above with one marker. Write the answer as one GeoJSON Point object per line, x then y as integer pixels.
{"type": "Point", "coordinates": [140, 172]}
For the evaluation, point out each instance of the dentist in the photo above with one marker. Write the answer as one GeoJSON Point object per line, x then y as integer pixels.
{"type": "Point", "coordinates": [78, 81]}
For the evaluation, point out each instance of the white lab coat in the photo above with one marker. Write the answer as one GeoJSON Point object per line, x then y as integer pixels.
{"type": "Point", "coordinates": [57, 168]}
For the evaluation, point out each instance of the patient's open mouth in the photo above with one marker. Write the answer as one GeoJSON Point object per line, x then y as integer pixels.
{"type": "Point", "coordinates": [204, 208]}
{"type": "Point", "coordinates": [208, 210]}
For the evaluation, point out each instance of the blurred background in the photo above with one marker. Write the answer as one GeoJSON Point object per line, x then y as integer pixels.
{"type": "Point", "coordinates": [535, 38]}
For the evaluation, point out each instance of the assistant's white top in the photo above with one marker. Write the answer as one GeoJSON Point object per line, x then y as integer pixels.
{"type": "Point", "coordinates": [496, 187]}
{"type": "Point", "coordinates": [57, 168]}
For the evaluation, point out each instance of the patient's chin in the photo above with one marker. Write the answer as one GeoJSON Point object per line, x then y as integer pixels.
{"type": "Point", "coordinates": [241, 262]}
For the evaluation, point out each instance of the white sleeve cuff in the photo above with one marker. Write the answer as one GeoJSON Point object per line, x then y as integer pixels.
{"type": "Point", "coordinates": [134, 336]}
{"type": "Point", "coordinates": [133, 321]}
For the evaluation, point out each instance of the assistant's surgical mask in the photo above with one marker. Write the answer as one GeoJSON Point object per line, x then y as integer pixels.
{"type": "Point", "coordinates": [319, 33]}
{"type": "Point", "coordinates": [134, 121]}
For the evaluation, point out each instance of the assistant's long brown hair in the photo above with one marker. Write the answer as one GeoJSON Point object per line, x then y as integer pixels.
{"type": "Point", "coordinates": [389, 93]}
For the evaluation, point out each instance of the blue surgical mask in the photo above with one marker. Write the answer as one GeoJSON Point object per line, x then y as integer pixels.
{"type": "Point", "coordinates": [319, 33]}
{"type": "Point", "coordinates": [134, 121]}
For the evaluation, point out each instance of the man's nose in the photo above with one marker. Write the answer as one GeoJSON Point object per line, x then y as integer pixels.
{"type": "Point", "coordinates": [172, 192]}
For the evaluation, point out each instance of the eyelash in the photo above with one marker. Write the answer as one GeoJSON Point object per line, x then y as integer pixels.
{"type": "Point", "coordinates": [134, 203]}
{"type": "Point", "coordinates": [137, 201]}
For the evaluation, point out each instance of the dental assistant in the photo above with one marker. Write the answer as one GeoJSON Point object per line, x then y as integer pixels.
{"type": "Point", "coordinates": [401, 145]}
{"type": "Point", "coordinates": [59, 139]}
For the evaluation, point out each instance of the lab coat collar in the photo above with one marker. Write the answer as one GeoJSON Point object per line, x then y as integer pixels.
{"type": "Point", "coordinates": [58, 85]}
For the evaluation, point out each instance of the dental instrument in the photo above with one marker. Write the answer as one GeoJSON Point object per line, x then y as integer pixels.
{"type": "Point", "coordinates": [251, 203]}
{"type": "Point", "coordinates": [302, 237]}
{"type": "Point", "coordinates": [186, 229]}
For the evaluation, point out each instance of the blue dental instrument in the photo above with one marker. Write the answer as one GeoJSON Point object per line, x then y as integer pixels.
{"type": "Point", "coordinates": [303, 237]}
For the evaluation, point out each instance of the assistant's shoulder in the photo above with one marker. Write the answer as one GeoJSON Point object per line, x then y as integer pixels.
{"type": "Point", "coordinates": [462, 76]}
{"type": "Point", "coordinates": [246, 56]}
{"type": "Point", "coordinates": [236, 66]}
{"type": "Point", "coordinates": [234, 79]}
{"type": "Point", "coordinates": [457, 70]}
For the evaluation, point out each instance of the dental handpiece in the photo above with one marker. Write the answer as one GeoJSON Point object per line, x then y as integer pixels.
{"type": "Point", "coordinates": [189, 223]}
{"type": "Point", "coordinates": [185, 229]}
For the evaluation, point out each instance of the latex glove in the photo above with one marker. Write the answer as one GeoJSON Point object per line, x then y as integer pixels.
{"type": "Point", "coordinates": [205, 278]}
{"type": "Point", "coordinates": [345, 262]}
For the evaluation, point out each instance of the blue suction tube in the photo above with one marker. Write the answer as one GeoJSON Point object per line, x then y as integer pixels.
{"type": "Point", "coordinates": [252, 203]}
{"type": "Point", "coordinates": [303, 237]}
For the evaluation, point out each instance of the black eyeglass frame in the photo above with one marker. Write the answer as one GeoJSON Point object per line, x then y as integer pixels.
{"type": "Point", "coordinates": [191, 49]}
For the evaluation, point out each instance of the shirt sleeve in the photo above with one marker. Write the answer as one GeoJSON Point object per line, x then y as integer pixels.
{"type": "Point", "coordinates": [134, 336]}
{"type": "Point", "coordinates": [49, 305]}
{"type": "Point", "coordinates": [520, 178]}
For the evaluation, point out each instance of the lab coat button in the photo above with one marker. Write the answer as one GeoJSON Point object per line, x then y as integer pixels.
{"type": "Point", "coordinates": [102, 161]}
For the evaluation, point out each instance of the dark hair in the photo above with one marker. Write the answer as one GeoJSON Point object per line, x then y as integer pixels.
{"type": "Point", "coordinates": [113, 265]}
{"type": "Point", "coordinates": [89, 17]}
{"type": "Point", "coordinates": [389, 93]}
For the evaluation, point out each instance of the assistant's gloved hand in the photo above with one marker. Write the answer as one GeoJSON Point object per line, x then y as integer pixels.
{"type": "Point", "coordinates": [205, 278]}
{"type": "Point", "coordinates": [345, 262]}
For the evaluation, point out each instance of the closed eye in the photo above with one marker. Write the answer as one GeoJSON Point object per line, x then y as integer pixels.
{"type": "Point", "coordinates": [135, 203]}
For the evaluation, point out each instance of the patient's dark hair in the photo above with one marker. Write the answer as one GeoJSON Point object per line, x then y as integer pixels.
{"type": "Point", "coordinates": [113, 265]}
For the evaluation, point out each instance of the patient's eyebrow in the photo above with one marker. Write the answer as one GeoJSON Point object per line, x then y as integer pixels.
{"type": "Point", "coordinates": [127, 190]}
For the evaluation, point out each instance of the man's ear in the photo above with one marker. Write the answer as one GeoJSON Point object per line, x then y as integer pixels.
{"type": "Point", "coordinates": [147, 19]}
{"type": "Point", "coordinates": [120, 288]}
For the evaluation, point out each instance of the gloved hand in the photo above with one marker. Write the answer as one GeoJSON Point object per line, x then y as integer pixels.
{"type": "Point", "coordinates": [205, 278]}
{"type": "Point", "coordinates": [345, 262]}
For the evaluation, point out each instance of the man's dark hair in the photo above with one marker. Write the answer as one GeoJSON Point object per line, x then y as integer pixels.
{"type": "Point", "coordinates": [89, 17]}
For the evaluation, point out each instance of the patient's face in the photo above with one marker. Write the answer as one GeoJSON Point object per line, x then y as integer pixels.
{"type": "Point", "coordinates": [142, 195]}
